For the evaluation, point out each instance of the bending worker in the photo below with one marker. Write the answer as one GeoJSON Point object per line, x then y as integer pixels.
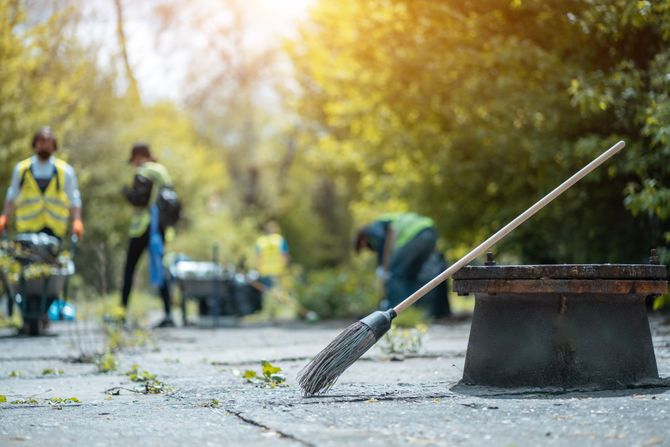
{"type": "Point", "coordinates": [150, 177]}
{"type": "Point", "coordinates": [43, 192]}
{"type": "Point", "coordinates": [403, 243]}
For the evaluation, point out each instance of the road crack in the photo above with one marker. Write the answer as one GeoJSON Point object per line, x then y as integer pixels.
{"type": "Point", "coordinates": [393, 398]}
{"type": "Point", "coordinates": [262, 426]}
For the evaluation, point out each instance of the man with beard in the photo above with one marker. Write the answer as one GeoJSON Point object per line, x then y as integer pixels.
{"type": "Point", "coordinates": [43, 192]}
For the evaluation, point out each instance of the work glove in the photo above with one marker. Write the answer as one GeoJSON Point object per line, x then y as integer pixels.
{"type": "Point", "coordinates": [3, 223]}
{"type": "Point", "coordinates": [382, 274]}
{"type": "Point", "coordinates": [78, 228]}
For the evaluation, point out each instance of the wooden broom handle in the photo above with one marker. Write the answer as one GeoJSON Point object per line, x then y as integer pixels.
{"type": "Point", "coordinates": [507, 229]}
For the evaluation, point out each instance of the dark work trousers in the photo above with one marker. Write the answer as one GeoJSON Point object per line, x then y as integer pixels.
{"type": "Point", "coordinates": [136, 247]}
{"type": "Point", "coordinates": [405, 265]}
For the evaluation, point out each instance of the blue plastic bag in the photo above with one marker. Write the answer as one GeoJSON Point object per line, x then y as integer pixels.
{"type": "Point", "coordinates": [156, 250]}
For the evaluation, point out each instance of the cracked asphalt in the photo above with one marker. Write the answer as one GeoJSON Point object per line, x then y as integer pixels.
{"type": "Point", "coordinates": [381, 401]}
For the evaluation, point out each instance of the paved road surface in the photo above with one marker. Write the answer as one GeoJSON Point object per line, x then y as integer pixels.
{"type": "Point", "coordinates": [378, 402]}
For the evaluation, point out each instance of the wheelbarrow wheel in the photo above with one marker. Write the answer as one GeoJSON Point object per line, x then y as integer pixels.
{"type": "Point", "coordinates": [7, 291]}
{"type": "Point", "coordinates": [32, 327]}
{"type": "Point", "coordinates": [10, 305]}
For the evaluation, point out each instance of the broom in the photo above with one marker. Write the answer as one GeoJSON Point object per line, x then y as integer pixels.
{"type": "Point", "coordinates": [323, 371]}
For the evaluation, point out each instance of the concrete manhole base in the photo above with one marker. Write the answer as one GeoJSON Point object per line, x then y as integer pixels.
{"type": "Point", "coordinates": [560, 326]}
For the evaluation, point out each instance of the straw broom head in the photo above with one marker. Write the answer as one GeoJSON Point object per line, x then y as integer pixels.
{"type": "Point", "coordinates": [322, 372]}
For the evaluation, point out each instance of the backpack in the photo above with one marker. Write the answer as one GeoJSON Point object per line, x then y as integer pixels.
{"type": "Point", "coordinates": [169, 206]}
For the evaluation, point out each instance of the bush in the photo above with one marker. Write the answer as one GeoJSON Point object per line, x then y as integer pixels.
{"type": "Point", "coordinates": [411, 318]}
{"type": "Point", "coordinates": [350, 290]}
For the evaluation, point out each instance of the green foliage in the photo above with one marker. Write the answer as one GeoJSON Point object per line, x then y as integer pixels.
{"type": "Point", "coordinates": [403, 340]}
{"type": "Point", "coordinates": [106, 363]}
{"type": "Point", "coordinates": [411, 318]}
{"type": "Point", "coordinates": [16, 373]}
{"type": "Point", "coordinates": [50, 77]}
{"type": "Point", "coordinates": [135, 375]}
{"type": "Point", "coordinates": [212, 403]}
{"type": "Point", "coordinates": [118, 338]}
{"type": "Point", "coordinates": [346, 291]}
{"type": "Point", "coordinates": [63, 400]}
{"type": "Point", "coordinates": [50, 401]}
{"type": "Point", "coordinates": [151, 384]}
{"type": "Point", "coordinates": [468, 111]}
{"type": "Point", "coordinates": [3, 398]}
{"type": "Point", "coordinates": [463, 110]}
{"type": "Point", "coordinates": [270, 377]}
{"type": "Point", "coordinates": [27, 401]}
{"type": "Point", "coordinates": [52, 372]}
{"type": "Point", "coordinates": [42, 70]}
{"type": "Point", "coordinates": [269, 369]}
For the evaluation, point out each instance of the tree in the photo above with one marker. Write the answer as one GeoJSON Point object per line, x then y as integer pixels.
{"type": "Point", "coordinates": [469, 111]}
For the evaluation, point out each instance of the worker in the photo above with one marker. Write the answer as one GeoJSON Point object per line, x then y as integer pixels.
{"type": "Point", "coordinates": [150, 177]}
{"type": "Point", "coordinates": [403, 242]}
{"type": "Point", "coordinates": [272, 254]}
{"type": "Point", "coordinates": [43, 192]}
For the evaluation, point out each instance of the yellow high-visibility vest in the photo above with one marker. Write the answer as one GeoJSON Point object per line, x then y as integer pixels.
{"type": "Point", "coordinates": [35, 209]}
{"type": "Point", "coordinates": [407, 225]}
{"type": "Point", "coordinates": [271, 261]}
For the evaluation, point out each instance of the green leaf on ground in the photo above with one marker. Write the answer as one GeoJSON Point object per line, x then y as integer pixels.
{"type": "Point", "coordinates": [269, 369]}
{"type": "Point", "coordinates": [270, 378]}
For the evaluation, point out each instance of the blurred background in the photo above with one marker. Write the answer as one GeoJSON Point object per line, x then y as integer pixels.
{"type": "Point", "coordinates": [321, 115]}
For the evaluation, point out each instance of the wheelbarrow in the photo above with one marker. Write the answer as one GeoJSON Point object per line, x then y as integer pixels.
{"type": "Point", "coordinates": [41, 279]}
{"type": "Point", "coordinates": [222, 294]}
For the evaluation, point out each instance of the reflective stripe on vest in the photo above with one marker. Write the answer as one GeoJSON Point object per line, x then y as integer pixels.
{"type": "Point", "coordinates": [270, 257]}
{"type": "Point", "coordinates": [35, 209]}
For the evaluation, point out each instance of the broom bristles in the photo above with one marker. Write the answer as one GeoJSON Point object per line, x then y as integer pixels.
{"type": "Point", "coordinates": [322, 372]}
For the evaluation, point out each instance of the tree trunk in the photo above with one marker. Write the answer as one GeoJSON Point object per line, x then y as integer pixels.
{"type": "Point", "coordinates": [132, 82]}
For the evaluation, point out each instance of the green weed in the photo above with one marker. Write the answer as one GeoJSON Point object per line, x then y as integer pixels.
{"type": "Point", "coordinates": [213, 403]}
{"type": "Point", "coordinates": [63, 400]}
{"type": "Point", "coordinates": [270, 376]}
{"type": "Point", "coordinates": [28, 401]}
{"type": "Point", "coordinates": [151, 384]}
{"type": "Point", "coordinates": [403, 340]}
{"type": "Point", "coordinates": [106, 363]}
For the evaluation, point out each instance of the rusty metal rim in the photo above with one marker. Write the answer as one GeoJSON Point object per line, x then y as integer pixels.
{"type": "Point", "coordinates": [564, 271]}
{"type": "Point", "coordinates": [576, 286]}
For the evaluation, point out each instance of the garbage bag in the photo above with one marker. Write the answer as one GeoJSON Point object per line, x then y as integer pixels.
{"type": "Point", "coordinates": [156, 251]}
{"type": "Point", "coordinates": [436, 302]}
